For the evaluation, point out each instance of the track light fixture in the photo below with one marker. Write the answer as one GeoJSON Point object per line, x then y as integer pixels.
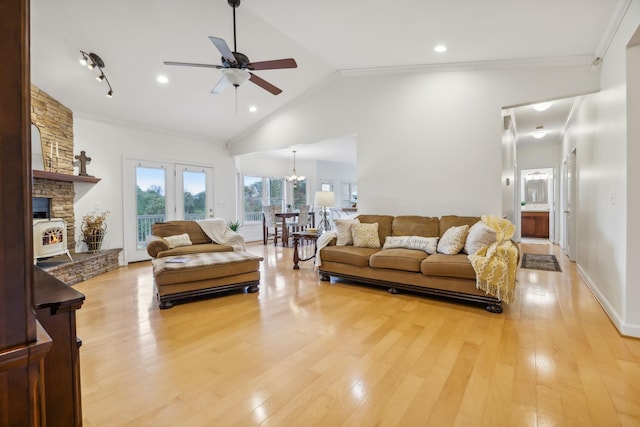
{"type": "Point", "coordinates": [92, 61]}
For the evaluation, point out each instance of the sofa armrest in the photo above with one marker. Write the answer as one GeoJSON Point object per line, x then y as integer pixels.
{"type": "Point", "coordinates": [155, 245]}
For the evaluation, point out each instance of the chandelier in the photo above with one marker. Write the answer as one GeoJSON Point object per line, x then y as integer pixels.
{"type": "Point", "coordinates": [294, 177]}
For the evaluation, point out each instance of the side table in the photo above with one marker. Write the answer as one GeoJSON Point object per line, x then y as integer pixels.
{"type": "Point", "coordinates": [298, 238]}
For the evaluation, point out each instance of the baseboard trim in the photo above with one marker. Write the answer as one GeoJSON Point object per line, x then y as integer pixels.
{"type": "Point", "coordinates": [623, 327]}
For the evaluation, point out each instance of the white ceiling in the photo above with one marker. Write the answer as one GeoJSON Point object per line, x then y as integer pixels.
{"type": "Point", "coordinates": [135, 37]}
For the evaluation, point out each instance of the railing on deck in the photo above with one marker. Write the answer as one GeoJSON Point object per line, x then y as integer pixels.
{"type": "Point", "coordinates": [253, 217]}
{"type": "Point", "coordinates": [146, 221]}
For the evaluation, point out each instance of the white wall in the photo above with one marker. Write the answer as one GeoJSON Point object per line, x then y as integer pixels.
{"type": "Point", "coordinates": [509, 181]}
{"type": "Point", "coordinates": [606, 196]}
{"type": "Point", "coordinates": [107, 144]}
{"type": "Point", "coordinates": [632, 313]}
{"type": "Point", "coordinates": [428, 142]}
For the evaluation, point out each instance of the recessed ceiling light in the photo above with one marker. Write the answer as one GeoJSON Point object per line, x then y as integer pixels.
{"type": "Point", "coordinates": [539, 133]}
{"type": "Point", "coordinates": [162, 79]}
{"type": "Point", "coordinates": [542, 106]}
{"type": "Point", "coordinates": [440, 48]}
{"type": "Point", "coordinates": [253, 109]}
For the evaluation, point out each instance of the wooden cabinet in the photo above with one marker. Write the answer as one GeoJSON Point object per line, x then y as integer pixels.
{"type": "Point", "coordinates": [56, 305]}
{"type": "Point", "coordinates": [534, 224]}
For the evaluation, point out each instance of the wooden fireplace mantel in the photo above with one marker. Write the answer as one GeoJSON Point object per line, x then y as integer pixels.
{"type": "Point", "coordinates": [64, 177]}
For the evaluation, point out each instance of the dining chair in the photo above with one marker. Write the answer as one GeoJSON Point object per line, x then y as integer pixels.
{"type": "Point", "coordinates": [304, 219]}
{"type": "Point", "coordinates": [270, 221]}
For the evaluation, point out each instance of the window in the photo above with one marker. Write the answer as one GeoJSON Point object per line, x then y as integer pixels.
{"type": "Point", "coordinates": [260, 191]}
{"type": "Point", "coordinates": [299, 194]}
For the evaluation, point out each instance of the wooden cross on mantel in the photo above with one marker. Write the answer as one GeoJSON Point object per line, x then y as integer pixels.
{"type": "Point", "coordinates": [83, 159]}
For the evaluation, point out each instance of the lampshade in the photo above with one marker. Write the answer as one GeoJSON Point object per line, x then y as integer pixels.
{"type": "Point", "coordinates": [236, 76]}
{"type": "Point", "coordinates": [325, 199]}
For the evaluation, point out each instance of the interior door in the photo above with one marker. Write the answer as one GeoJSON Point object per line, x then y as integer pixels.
{"type": "Point", "coordinates": [569, 203]}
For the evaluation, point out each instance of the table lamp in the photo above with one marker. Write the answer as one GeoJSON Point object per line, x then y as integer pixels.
{"type": "Point", "coordinates": [325, 200]}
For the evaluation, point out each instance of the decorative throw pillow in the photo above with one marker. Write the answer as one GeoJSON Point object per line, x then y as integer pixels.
{"type": "Point", "coordinates": [427, 244]}
{"type": "Point", "coordinates": [178, 240]}
{"type": "Point", "coordinates": [479, 235]}
{"type": "Point", "coordinates": [365, 235]}
{"type": "Point", "coordinates": [343, 230]}
{"type": "Point", "coordinates": [453, 239]}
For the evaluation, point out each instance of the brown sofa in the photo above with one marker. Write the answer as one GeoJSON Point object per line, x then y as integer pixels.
{"type": "Point", "coordinates": [408, 269]}
{"type": "Point", "coordinates": [157, 247]}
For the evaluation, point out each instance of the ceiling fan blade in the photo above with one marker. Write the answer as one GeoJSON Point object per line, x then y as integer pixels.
{"type": "Point", "coordinates": [224, 49]}
{"type": "Point", "coordinates": [273, 65]}
{"type": "Point", "coordinates": [191, 64]}
{"type": "Point", "coordinates": [220, 86]}
{"type": "Point", "coordinates": [265, 84]}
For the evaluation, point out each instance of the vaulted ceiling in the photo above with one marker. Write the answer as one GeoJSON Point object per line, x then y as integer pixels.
{"type": "Point", "coordinates": [135, 37]}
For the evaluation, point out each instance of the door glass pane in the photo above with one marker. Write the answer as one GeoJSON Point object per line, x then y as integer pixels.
{"type": "Point", "coordinates": [194, 195]}
{"type": "Point", "coordinates": [150, 201]}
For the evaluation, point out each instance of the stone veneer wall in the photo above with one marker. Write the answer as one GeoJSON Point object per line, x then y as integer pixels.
{"type": "Point", "coordinates": [85, 266]}
{"type": "Point", "coordinates": [55, 122]}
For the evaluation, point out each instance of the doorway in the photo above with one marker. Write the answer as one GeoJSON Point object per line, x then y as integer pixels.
{"type": "Point", "coordinates": [537, 203]}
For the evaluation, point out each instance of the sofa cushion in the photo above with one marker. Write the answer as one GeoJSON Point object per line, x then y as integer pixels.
{"type": "Point", "coordinates": [347, 255]}
{"type": "Point", "coordinates": [365, 235]}
{"type": "Point", "coordinates": [343, 231]}
{"type": "Point", "coordinates": [398, 259]}
{"type": "Point", "coordinates": [479, 235]}
{"type": "Point", "coordinates": [384, 224]}
{"type": "Point", "coordinates": [453, 240]}
{"type": "Point", "coordinates": [449, 221]}
{"type": "Point", "coordinates": [195, 249]}
{"type": "Point", "coordinates": [413, 225]}
{"type": "Point", "coordinates": [457, 266]}
{"type": "Point", "coordinates": [178, 240]}
{"type": "Point", "coordinates": [172, 228]}
{"type": "Point", "coordinates": [426, 244]}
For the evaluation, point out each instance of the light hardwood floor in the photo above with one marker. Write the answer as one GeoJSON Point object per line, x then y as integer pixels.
{"type": "Point", "coordinates": [302, 352]}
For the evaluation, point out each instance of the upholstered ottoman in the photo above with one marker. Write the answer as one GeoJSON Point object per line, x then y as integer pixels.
{"type": "Point", "coordinates": [195, 275]}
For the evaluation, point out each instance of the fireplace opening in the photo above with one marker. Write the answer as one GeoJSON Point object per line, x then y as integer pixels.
{"type": "Point", "coordinates": [41, 207]}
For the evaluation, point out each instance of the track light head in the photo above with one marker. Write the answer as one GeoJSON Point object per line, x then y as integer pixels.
{"type": "Point", "coordinates": [92, 60]}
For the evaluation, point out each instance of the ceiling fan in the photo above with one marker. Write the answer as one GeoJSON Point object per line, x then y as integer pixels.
{"type": "Point", "coordinates": [236, 67]}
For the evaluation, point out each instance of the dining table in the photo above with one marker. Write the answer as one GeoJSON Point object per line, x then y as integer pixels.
{"type": "Point", "coordinates": [284, 216]}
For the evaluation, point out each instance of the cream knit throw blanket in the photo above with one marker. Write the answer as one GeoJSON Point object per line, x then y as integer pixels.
{"type": "Point", "coordinates": [220, 233]}
{"type": "Point", "coordinates": [496, 264]}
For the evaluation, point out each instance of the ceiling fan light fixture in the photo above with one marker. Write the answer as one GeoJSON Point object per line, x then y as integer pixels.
{"type": "Point", "coordinates": [236, 76]}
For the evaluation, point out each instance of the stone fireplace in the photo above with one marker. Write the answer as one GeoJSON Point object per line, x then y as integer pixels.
{"type": "Point", "coordinates": [56, 233]}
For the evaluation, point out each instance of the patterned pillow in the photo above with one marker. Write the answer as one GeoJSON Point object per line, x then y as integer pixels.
{"type": "Point", "coordinates": [480, 235]}
{"type": "Point", "coordinates": [453, 240]}
{"type": "Point", "coordinates": [427, 244]}
{"type": "Point", "coordinates": [343, 230]}
{"type": "Point", "coordinates": [365, 235]}
{"type": "Point", "coordinates": [178, 240]}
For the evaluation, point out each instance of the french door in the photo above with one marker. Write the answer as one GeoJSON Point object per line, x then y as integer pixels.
{"type": "Point", "coordinates": [161, 191]}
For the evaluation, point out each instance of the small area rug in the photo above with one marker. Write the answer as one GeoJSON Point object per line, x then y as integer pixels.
{"type": "Point", "coordinates": [540, 262]}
